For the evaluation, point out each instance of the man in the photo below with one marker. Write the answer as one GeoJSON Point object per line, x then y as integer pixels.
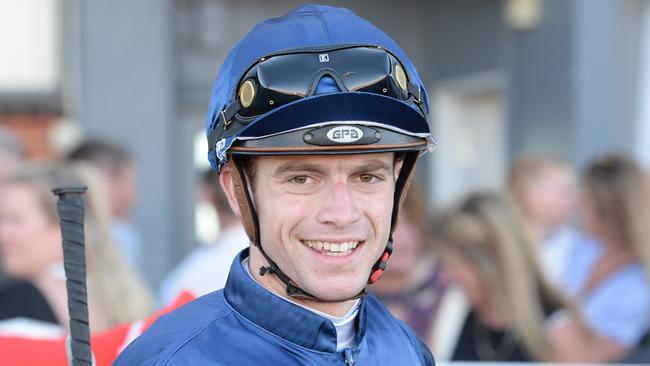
{"type": "Point", "coordinates": [206, 268]}
{"type": "Point", "coordinates": [119, 171]}
{"type": "Point", "coordinates": [315, 123]}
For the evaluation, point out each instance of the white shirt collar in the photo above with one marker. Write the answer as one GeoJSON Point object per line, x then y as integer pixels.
{"type": "Point", "coordinates": [345, 325]}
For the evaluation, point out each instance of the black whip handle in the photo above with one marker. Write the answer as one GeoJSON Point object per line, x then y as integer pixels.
{"type": "Point", "coordinates": [71, 218]}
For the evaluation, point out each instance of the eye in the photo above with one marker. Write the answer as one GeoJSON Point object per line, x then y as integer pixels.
{"type": "Point", "coordinates": [367, 178]}
{"type": "Point", "coordinates": [301, 179]}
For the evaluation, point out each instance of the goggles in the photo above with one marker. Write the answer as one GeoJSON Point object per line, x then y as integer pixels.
{"type": "Point", "coordinates": [282, 78]}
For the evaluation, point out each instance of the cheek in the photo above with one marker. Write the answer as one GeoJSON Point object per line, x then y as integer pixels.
{"type": "Point", "coordinates": [278, 216]}
{"type": "Point", "coordinates": [30, 246]}
{"type": "Point", "coordinates": [589, 219]}
{"type": "Point", "coordinates": [378, 209]}
{"type": "Point", "coordinates": [464, 275]}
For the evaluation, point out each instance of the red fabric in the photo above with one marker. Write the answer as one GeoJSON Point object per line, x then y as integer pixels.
{"type": "Point", "coordinates": [106, 345]}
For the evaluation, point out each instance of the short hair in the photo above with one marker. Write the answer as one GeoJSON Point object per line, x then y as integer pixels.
{"type": "Point", "coordinates": [103, 154]}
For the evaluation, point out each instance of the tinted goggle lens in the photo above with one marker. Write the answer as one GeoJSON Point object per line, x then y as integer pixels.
{"type": "Point", "coordinates": [281, 79]}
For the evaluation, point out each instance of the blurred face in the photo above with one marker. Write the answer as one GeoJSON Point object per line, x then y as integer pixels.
{"type": "Point", "coordinates": [408, 245]}
{"type": "Point", "coordinates": [552, 200]}
{"type": "Point", "coordinates": [325, 220]}
{"type": "Point", "coordinates": [29, 240]}
{"type": "Point", "coordinates": [123, 190]}
{"type": "Point", "coordinates": [591, 220]}
{"type": "Point", "coordinates": [458, 270]}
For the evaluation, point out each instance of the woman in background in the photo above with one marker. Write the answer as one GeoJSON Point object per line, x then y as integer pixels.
{"type": "Point", "coordinates": [545, 191]}
{"type": "Point", "coordinates": [411, 287]}
{"type": "Point", "coordinates": [611, 275]}
{"type": "Point", "coordinates": [485, 247]}
{"type": "Point", "coordinates": [30, 246]}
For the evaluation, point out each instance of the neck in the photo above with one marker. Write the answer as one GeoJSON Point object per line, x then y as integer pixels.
{"type": "Point", "coordinates": [272, 283]}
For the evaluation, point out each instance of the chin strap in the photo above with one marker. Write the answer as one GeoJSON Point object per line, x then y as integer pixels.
{"type": "Point", "coordinates": [251, 226]}
{"type": "Point", "coordinates": [401, 188]}
{"type": "Point", "coordinates": [380, 266]}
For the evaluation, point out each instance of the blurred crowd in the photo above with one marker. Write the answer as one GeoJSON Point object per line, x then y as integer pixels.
{"type": "Point", "coordinates": [554, 267]}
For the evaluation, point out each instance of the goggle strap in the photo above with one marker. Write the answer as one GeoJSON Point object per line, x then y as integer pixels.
{"type": "Point", "coordinates": [417, 94]}
{"type": "Point", "coordinates": [223, 118]}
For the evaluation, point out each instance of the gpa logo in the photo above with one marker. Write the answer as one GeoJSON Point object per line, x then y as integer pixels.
{"type": "Point", "coordinates": [344, 134]}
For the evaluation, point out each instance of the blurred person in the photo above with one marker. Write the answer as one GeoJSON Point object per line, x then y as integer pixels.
{"type": "Point", "coordinates": [206, 268]}
{"type": "Point", "coordinates": [516, 315]}
{"type": "Point", "coordinates": [546, 192]}
{"type": "Point", "coordinates": [610, 275]}
{"type": "Point", "coordinates": [411, 287]}
{"type": "Point", "coordinates": [39, 345]}
{"type": "Point", "coordinates": [31, 249]}
{"type": "Point", "coordinates": [315, 124]}
{"type": "Point", "coordinates": [12, 152]}
{"type": "Point", "coordinates": [120, 173]}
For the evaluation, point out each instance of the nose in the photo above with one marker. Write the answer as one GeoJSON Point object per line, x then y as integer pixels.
{"type": "Point", "coordinates": [338, 206]}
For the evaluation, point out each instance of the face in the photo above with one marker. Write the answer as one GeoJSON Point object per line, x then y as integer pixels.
{"type": "Point", "coordinates": [408, 244]}
{"type": "Point", "coordinates": [591, 220]}
{"type": "Point", "coordinates": [123, 190]}
{"type": "Point", "coordinates": [29, 240]}
{"type": "Point", "coordinates": [553, 198]}
{"type": "Point", "coordinates": [458, 270]}
{"type": "Point", "coordinates": [325, 220]}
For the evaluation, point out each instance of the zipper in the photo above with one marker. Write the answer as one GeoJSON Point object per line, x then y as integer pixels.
{"type": "Point", "coordinates": [349, 357]}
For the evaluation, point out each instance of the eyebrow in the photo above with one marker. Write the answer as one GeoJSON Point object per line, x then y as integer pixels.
{"type": "Point", "coordinates": [372, 165]}
{"type": "Point", "coordinates": [292, 167]}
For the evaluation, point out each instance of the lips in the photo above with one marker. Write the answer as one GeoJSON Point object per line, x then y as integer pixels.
{"type": "Point", "coordinates": [334, 249]}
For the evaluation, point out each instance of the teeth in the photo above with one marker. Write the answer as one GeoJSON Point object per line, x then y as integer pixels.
{"type": "Point", "coordinates": [333, 249]}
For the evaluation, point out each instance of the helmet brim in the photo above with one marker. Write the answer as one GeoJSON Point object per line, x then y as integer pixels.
{"type": "Point", "coordinates": [400, 127]}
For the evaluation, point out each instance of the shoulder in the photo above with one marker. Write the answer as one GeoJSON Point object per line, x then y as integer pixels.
{"type": "Point", "coordinates": [625, 321]}
{"type": "Point", "coordinates": [23, 299]}
{"type": "Point", "coordinates": [175, 331]}
{"type": "Point", "coordinates": [583, 255]}
{"type": "Point", "coordinates": [629, 283]}
{"type": "Point", "coordinates": [380, 320]}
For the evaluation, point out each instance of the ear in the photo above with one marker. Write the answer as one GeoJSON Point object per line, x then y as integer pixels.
{"type": "Point", "coordinates": [397, 167]}
{"type": "Point", "coordinates": [225, 178]}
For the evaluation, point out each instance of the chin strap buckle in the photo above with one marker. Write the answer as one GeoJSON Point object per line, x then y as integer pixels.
{"type": "Point", "coordinates": [270, 269]}
{"type": "Point", "coordinates": [379, 267]}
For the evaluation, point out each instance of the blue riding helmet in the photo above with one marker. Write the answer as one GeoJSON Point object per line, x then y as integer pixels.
{"type": "Point", "coordinates": [319, 80]}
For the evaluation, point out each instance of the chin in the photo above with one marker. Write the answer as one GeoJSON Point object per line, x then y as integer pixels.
{"type": "Point", "coordinates": [338, 293]}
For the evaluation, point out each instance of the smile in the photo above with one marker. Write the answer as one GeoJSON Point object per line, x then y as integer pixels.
{"type": "Point", "coordinates": [331, 248]}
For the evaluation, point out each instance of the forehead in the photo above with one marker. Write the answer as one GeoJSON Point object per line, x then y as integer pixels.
{"type": "Point", "coordinates": [324, 162]}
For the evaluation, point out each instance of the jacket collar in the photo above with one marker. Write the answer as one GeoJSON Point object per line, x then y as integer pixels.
{"type": "Point", "coordinates": [280, 317]}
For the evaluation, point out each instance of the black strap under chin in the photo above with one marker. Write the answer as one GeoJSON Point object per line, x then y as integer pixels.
{"type": "Point", "coordinates": [292, 289]}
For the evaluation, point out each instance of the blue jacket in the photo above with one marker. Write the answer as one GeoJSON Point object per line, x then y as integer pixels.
{"type": "Point", "coordinates": [245, 324]}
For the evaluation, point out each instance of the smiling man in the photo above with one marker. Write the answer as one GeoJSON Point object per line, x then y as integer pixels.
{"type": "Point", "coordinates": [315, 123]}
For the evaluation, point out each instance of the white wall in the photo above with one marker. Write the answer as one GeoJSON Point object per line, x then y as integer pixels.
{"type": "Point", "coordinates": [28, 46]}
